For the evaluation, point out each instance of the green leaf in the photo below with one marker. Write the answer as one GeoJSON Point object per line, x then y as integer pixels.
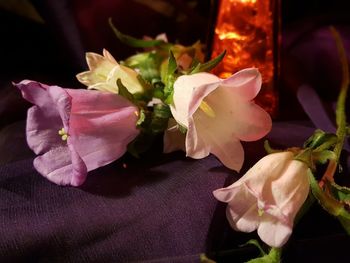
{"type": "Point", "coordinates": [274, 256]}
{"type": "Point", "coordinates": [345, 222]}
{"type": "Point", "coordinates": [209, 65]}
{"type": "Point", "coordinates": [329, 203]}
{"type": "Point", "coordinates": [147, 63]}
{"type": "Point", "coordinates": [341, 193]}
{"type": "Point", "coordinates": [323, 156]}
{"type": "Point", "coordinates": [269, 149]}
{"type": "Point", "coordinates": [162, 111]}
{"type": "Point", "coordinates": [172, 65]}
{"type": "Point", "coordinates": [160, 116]}
{"type": "Point", "coordinates": [134, 42]}
{"type": "Point", "coordinates": [256, 243]}
{"type": "Point", "coordinates": [321, 140]}
{"type": "Point", "coordinates": [141, 119]}
{"type": "Point", "coordinates": [305, 156]}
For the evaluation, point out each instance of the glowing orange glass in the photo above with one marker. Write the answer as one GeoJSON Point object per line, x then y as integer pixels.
{"type": "Point", "coordinates": [246, 29]}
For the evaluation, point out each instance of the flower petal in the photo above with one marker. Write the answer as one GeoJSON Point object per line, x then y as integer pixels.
{"type": "Point", "coordinates": [246, 83]}
{"type": "Point", "coordinates": [43, 120]}
{"type": "Point", "coordinates": [100, 134]}
{"type": "Point", "coordinates": [62, 166]}
{"type": "Point", "coordinates": [242, 209]}
{"type": "Point", "coordinates": [273, 232]}
{"type": "Point", "coordinates": [215, 135]}
{"type": "Point", "coordinates": [189, 91]}
{"type": "Point", "coordinates": [247, 121]}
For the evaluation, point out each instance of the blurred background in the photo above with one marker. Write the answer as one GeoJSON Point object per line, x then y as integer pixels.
{"type": "Point", "coordinates": [45, 40]}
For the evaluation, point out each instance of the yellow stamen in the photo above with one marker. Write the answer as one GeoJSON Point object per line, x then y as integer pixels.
{"type": "Point", "coordinates": [207, 109]}
{"type": "Point", "coordinates": [136, 113]}
{"type": "Point", "coordinates": [64, 135]}
{"type": "Point", "coordinates": [260, 212]}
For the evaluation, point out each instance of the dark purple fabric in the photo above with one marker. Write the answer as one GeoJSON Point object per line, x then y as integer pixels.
{"type": "Point", "coordinates": [149, 210]}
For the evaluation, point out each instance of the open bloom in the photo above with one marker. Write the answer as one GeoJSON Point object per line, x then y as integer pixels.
{"type": "Point", "coordinates": [218, 114]}
{"type": "Point", "coordinates": [76, 131]}
{"type": "Point", "coordinates": [267, 197]}
{"type": "Point", "coordinates": [104, 72]}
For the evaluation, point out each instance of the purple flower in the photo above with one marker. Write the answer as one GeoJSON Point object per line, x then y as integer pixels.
{"type": "Point", "coordinates": [76, 131]}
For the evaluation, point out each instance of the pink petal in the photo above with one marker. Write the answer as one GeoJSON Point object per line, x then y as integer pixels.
{"type": "Point", "coordinates": [101, 126]}
{"type": "Point", "coordinates": [246, 83]}
{"type": "Point", "coordinates": [273, 232]}
{"type": "Point", "coordinates": [246, 120]}
{"type": "Point", "coordinates": [268, 169]}
{"type": "Point", "coordinates": [242, 209]}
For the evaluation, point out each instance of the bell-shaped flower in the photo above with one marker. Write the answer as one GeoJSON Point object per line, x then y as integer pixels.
{"type": "Point", "coordinates": [104, 72]}
{"type": "Point", "coordinates": [76, 131]}
{"type": "Point", "coordinates": [218, 114]}
{"type": "Point", "coordinates": [267, 198]}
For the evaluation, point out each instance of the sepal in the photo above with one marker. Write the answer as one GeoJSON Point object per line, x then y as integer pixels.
{"type": "Point", "coordinates": [134, 42]}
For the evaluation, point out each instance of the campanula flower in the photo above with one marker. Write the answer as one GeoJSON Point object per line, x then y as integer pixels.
{"type": "Point", "coordinates": [76, 131]}
{"type": "Point", "coordinates": [268, 197]}
{"type": "Point", "coordinates": [104, 72]}
{"type": "Point", "coordinates": [218, 114]}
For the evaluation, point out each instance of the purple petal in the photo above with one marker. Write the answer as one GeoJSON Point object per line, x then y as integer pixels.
{"type": "Point", "coordinates": [43, 120]}
{"type": "Point", "coordinates": [62, 166]}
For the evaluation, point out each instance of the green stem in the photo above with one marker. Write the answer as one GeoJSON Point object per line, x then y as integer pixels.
{"type": "Point", "coordinates": [340, 111]}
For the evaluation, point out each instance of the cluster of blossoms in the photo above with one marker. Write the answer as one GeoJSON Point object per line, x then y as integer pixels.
{"type": "Point", "coordinates": [167, 89]}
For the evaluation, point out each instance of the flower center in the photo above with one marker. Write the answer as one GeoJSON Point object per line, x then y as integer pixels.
{"type": "Point", "coordinates": [64, 135]}
{"type": "Point", "coordinates": [207, 109]}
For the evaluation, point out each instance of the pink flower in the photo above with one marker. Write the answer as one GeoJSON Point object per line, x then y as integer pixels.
{"type": "Point", "coordinates": [267, 197]}
{"type": "Point", "coordinates": [76, 131]}
{"type": "Point", "coordinates": [218, 114]}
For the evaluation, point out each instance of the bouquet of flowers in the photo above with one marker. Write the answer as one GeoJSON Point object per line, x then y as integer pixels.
{"type": "Point", "coordinates": [167, 90]}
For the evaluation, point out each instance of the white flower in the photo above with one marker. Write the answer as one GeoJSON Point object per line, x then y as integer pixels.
{"type": "Point", "coordinates": [218, 114]}
{"type": "Point", "coordinates": [104, 72]}
{"type": "Point", "coordinates": [267, 197]}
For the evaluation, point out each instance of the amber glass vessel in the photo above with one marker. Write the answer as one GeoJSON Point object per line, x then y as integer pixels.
{"type": "Point", "coordinates": [249, 31]}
